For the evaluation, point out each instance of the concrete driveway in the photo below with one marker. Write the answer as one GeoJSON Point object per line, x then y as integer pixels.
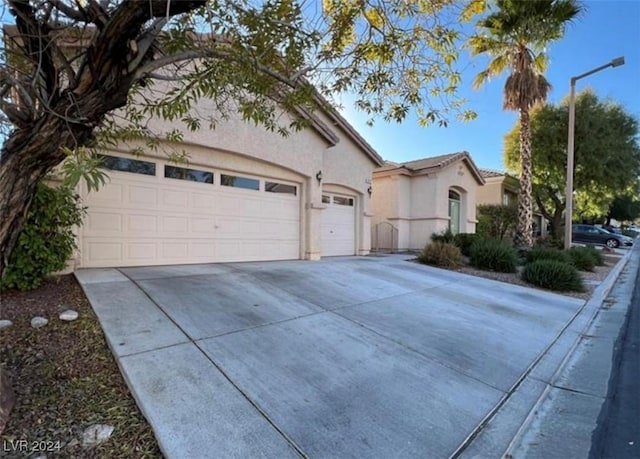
{"type": "Point", "coordinates": [346, 357]}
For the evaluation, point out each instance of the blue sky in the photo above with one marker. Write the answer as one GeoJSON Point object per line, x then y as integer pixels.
{"type": "Point", "coordinates": [608, 29]}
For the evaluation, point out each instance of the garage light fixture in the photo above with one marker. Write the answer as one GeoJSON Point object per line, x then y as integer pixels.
{"type": "Point", "coordinates": [370, 190]}
{"type": "Point", "coordinates": [319, 177]}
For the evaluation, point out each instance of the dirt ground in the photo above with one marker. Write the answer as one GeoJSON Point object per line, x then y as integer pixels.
{"type": "Point", "coordinates": [65, 379]}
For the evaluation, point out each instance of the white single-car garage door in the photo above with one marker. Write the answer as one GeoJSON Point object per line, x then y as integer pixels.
{"type": "Point", "coordinates": [338, 225]}
{"type": "Point", "coordinates": [154, 212]}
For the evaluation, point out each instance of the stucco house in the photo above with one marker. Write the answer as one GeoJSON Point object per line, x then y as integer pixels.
{"type": "Point", "coordinates": [502, 188]}
{"type": "Point", "coordinates": [246, 194]}
{"type": "Point", "coordinates": [413, 200]}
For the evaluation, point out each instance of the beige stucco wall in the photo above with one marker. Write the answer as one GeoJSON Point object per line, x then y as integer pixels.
{"type": "Point", "coordinates": [419, 205]}
{"type": "Point", "coordinates": [490, 192]}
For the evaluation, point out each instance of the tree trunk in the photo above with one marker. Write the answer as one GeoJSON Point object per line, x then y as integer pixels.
{"type": "Point", "coordinates": [26, 157]}
{"type": "Point", "coordinates": [556, 224]}
{"type": "Point", "coordinates": [524, 228]}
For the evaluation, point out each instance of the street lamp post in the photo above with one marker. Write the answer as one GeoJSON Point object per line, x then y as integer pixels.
{"type": "Point", "coordinates": [572, 121]}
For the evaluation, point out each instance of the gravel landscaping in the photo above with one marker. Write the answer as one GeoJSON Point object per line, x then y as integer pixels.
{"type": "Point", "coordinates": [71, 400]}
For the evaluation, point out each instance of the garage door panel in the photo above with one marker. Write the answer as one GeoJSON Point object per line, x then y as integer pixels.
{"type": "Point", "coordinates": [174, 198]}
{"type": "Point", "coordinates": [202, 202]}
{"type": "Point", "coordinates": [202, 226]}
{"type": "Point", "coordinates": [110, 195]}
{"type": "Point", "coordinates": [142, 196]}
{"type": "Point", "coordinates": [142, 251]}
{"type": "Point", "coordinates": [230, 205]}
{"type": "Point", "coordinates": [175, 224]}
{"type": "Point", "coordinates": [174, 250]}
{"type": "Point", "coordinates": [139, 220]}
{"type": "Point", "coordinates": [203, 250]}
{"type": "Point", "coordinates": [338, 229]}
{"type": "Point", "coordinates": [140, 224]}
{"type": "Point", "coordinates": [103, 252]}
{"type": "Point", "coordinates": [104, 222]}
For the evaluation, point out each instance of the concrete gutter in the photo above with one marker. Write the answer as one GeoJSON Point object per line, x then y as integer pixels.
{"type": "Point", "coordinates": [511, 421]}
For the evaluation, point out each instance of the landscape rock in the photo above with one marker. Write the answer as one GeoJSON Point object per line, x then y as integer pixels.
{"type": "Point", "coordinates": [4, 323]}
{"type": "Point", "coordinates": [69, 315]}
{"type": "Point", "coordinates": [96, 434]}
{"type": "Point", "coordinates": [73, 443]}
{"type": "Point", "coordinates": [38, 322]}
{"type": "Point", "coordinates": [7, 399]}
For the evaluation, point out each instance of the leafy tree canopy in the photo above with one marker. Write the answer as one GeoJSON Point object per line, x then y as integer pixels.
{"type": "Point", "coordinates": [607, 155]}
{"type": "Point", "coordinates": [624, 208]}
{"type": "Point", "coordinates": [66, 66]}
{"type": "Point", "coordinates": [394, 56]}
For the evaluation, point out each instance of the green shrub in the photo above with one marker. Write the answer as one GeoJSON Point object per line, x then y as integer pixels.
{"type": "Point", "coordinates": [446, 237]}
{"type": "Point", "coordinates": [496, 221]}
{"type": "Point", "coordinates": [544, 253]}
{"type": "Point", "coordinates": [493, 255]}
{"type": "Point", "coordinates": [598, 258]}
{"type": "Point", "coordinates": [582, 258]}
{"type": "Point", "coordinates": [47, 240]}
{"type": "Point", "coordinates": [441, 254]}
{"type": "Point", "coordinates": [464, 241]}
{"type": "Point", "coordinates": [553, 275]}
{"type": "Point", "coordinates": [550, 242]}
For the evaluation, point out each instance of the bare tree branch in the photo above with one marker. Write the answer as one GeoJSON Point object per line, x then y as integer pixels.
{"type": "Point", "coordinates": [161, 77]}
{"type": "Point", "coordinates": [147, 40]}
{"type": "Point", "coordinates": [70, 12]}
{"type": "Point", "coordinates": [14, 114]}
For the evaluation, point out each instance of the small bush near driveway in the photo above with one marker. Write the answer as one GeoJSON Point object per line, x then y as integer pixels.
{"type": "Point", "coordinates": [550, 242]}
{"type": "Point", "coordinates": [597, 255]}
{"type": "Point", "coordinates": [464, 241]}
{"type": "Point", "coordinates": [446, 236]}
{"type": "Point", "coordinates": [553, 275]}
{"type": "Point", "coordinates": [441, 254]}
{"type": "Point", "coordinates": [547, 253]}
{"type": "Point", "coordinates": [493, 255]}
{"type": "Point", "coordinates": [582, 258]}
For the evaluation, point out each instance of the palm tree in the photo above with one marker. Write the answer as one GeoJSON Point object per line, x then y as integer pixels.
{"type": "Point", "coordinates": [515, 37]}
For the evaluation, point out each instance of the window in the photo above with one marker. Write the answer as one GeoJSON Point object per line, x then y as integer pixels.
{"type": "Point", "coordinates": [192, 175]}
{"type": "Point", "coordinates": [274, 187]}
{"type": "Point", "coordinates": [240, 182]}
{"type": "Point", "coordinates": [136, 166]}
{"type": "Point", "coordinates": [454, 212]}
{"type": "Point", "coordinates": [326, 199]}
{"type": "Point", "coordinates": [341, 201]}
{"type": "Point", "coordinates": [509, 198]}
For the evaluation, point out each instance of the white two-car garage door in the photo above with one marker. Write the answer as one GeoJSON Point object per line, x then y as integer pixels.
{"type": "Point", "coordinates": [338, 225]}
{"type": "Point", "coordinates": [154, 212]}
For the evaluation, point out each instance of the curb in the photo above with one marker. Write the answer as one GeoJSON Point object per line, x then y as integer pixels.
{"type": "Point", "coordinates": [580, 323]}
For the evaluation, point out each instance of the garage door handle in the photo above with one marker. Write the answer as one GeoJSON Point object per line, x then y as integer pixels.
{"type": "Point", "coordinates": [331, 232]}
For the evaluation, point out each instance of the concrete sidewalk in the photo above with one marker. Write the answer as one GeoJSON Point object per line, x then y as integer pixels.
{"type": "Point", "coordinates": [352, 357]}
{"type": "Point", "coordinates": [564, 418]}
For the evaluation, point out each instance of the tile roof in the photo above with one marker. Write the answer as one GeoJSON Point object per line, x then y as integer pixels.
{"type": "Point", "coordinates": [487, 173]}
{"type": "Point", "coordinates": [434, 163]}
{"type": "Point", "coordinates": [490, 173]}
